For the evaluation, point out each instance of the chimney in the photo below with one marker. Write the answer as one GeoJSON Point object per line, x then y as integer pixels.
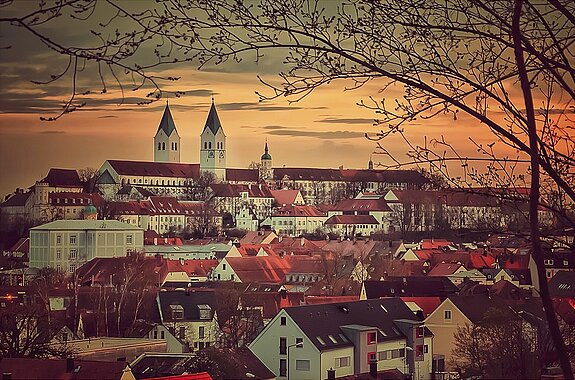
{"type": "Point", "coordinates": [373, 368]}
{"type": "Point", "coordinates": [182, 262]}
{"type": "Point", "coordinates": [155, 241]}
{"type": "Point", "coordinates": [331, 374]}
{"type": "Point", "coordinates": [69, 364]}
{"type": "Point", "coordinates": [302, 241]}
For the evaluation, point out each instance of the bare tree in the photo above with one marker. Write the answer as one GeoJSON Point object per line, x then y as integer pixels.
{"type": "Point", "coordinates": [505, 64]}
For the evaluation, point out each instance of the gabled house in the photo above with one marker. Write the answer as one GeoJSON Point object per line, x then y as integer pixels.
{"type": "Point", "coordinates": [270, 269]}
{"type": "Point", "coordinates": [408, 287]}
{"type": "Point", "coordinates": [304, 342]}
{"type": "Point", "coordinates": [554, 262]}
{"type": "Point", "coordinates": [455, 312]}
{"type": "Point", "coordinates": [190, 316]}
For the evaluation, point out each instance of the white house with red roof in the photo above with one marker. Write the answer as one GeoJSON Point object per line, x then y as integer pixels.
{"type": "Point", "coordinates": [353, 217]}
{"type": "Point", "coordinates": [295, 220]}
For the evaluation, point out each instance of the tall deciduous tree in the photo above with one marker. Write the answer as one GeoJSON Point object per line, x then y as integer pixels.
{"type": "Point", "coordinates": [507, 65]}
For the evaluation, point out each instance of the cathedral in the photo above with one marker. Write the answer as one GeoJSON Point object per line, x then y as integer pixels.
{"type": "Point", "coordinates": [168, 176]}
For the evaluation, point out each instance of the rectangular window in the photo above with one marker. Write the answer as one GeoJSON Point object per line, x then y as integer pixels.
{"type": "Point", "coordinates": [426, 349]}
{"type": "Point", "coordinates": [73, 254]}
{"type": "Point", "coordinates": [162, 335]}
{"type": "Point", "coordinates": [72, 239]}
{"type": "Point", "coordinates": [202, 332]}
{"type": "Point", "coordinates": [283, 321]}
{"type": "Point", "coordinates": [382, 355]}
{"type": "Point", "coordinates": [283, 345]}
{"type": "Point", "coordinates": [299, 342]}
{"type": "Point", "coordinates": [447, 314]}
{"type": "Point", "coordinates": [72, 268]}
{"type": "Point", "coordinates": [129, 239]}
{"type": "Point", "coordinates": [371, 356]}
{"type": "Point", "coordinates": [58, 239]}
{"type": "Point", "coordinates": [58, 254]}
{"type": "Point", "coordinates": [283, 367]}
{"type": "Point", "coordinates": [342, 362]}
{"type": "Point", "coordinates": [155, 334]}
{"type": "Point", "coordinates": [302, 365]}
{"type": "Point", "coordinates": [182, 332]}
{"type": "Point", "coordinates": [420, 331]}
{"type": "Point", "coordinates": [371, 337]}
{"type": "Point", "coordinates": [59, 267]}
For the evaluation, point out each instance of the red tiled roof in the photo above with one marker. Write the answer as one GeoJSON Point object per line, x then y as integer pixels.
{"type": "Point", "coordinates": [290, 210]}
{"type": "Point", "coordinates": [434, 243]}
{"type": "Point", "coordinates": [479, 261]}
{"type": "Point", "coordinates": [199, 267]}
{"type": "Point", "coordinates": [444, 269]}
{"type": "Point", "coordinates": [155, 169]}
{"type": "Point", "coordinates": [351, 219]}
{"type": "Point", "coordinates": [242, 175]}
{"type": "Point", "coordinates": [270, 269]}
{"type": "Point", "coordinates": [362, 205]}
{"type": "Point", "coordinates": [285, 197]}
{"type": "Point", "coordinates": [427, 304]}
{"type": "Point", "coordinates": [255, 237]}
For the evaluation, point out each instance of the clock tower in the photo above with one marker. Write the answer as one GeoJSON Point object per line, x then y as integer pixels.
{"type": "Point", "coordinates": [213, 145]}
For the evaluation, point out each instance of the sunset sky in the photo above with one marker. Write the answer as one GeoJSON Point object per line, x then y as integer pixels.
{"type": "Point", "coordinates": [326, 129]}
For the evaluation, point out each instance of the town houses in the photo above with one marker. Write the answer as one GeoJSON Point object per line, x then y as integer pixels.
{"type": "Point", "coordinates": [299, 273]}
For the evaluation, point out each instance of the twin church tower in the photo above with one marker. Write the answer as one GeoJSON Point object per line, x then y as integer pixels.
{"type": "Point", "coordinates": [212, 144]}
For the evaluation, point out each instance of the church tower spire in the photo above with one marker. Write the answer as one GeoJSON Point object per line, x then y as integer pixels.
{"type": "Point", "coordinates": [167, 139]}
{"type": "Point", "coordinates": [213, 145]}
{"type": "Point", "coordinates": [266, 171]}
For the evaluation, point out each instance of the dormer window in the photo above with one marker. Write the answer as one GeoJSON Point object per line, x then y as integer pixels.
{"type": "Point", "coordinates": [177, 312]}
{"type": "Point", "coordinates": [205, 311]}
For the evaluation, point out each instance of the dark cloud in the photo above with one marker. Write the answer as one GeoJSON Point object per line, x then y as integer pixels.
{"type": "Point", "coordinates": [328, 135]}
{"type": "Point", "coordinates": [273, 127]}
{"type": "Point", "coordinates": [334, 120]}
{"type": "Point", "coordinates": [52, 132]}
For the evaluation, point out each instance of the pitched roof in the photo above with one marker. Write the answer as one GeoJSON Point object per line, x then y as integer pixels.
{"type": "Point", "coordinates": [270, 269]}
{"type": "Point", "coordinates": [190, 300]}
{"type": "Point", "coordinates": [350, 175]}
{"type": "Point", "coordinates": [297, 210]}
{"type": "Point", "coordinates": [474, 307]}
{"type": "Point", "coordinates": [62, 178]}
{"type": "Point", "coordinates": [213, 121]}
{"type": "Point", "coordinates": [242, 175]}
{"type": "Point", "coordinates": [359, 205]}
{"type": "Point", "coordinates": [445, 269]}
{"type": "Point", "coordinates": [285, 196]}
{"type": "Point", "coordinates": [256, 237]}
{"type": "Point", "coordinates": [351, 219]}
{"type": "Point", "coordinates": [155, 169]}
{"type": "Point", "coordinates": [22, 245]}
{"type": "Point", "coordinates": [427, 304]}
{"type": "Point", "coordinates": [235, 190]}
{"type": "Point", "coordinates": [325, 321]}
{"type": "Point", "coordinates": [87, 225]}
{"type": "Point", "coordinates": [95, 199]}
{"type": "Point", "coordinates": [414, 286]}
{"type": "Point", "coordinates": [562, 285]}
{"type": "Point", "coordinates": [17, 200]}
{"type": "Point", "coordinates": [167, 123]}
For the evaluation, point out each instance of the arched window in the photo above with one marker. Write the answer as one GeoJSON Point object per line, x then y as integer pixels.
{"type": "Point", "coordinates": [175, 146]}
{"type": "Point", "coordinates": [209, 145]}
{"type": "Point", "coordinates": [205, 145]}
{"type": "Point", "coordinates": [159, 146]}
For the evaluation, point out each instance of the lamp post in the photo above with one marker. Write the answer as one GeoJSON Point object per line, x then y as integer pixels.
{"type": "Point", "coordinates": [300, 345]}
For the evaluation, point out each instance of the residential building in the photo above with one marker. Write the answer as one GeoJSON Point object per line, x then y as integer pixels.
{"type": "Point", "coordinates": [296, 220]}
{"type": "Point", "coordinates": [191, 316]}
{"type": "Point", "coordinates": [67, 244]}
{"type": "Point", "coordinates": [304, 342]}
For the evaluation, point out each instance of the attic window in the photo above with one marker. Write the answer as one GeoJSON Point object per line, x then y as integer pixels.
{"type": "Point", "coordinates": [205, 311]}
{"type": "Point", "coordinates": [177, 312]}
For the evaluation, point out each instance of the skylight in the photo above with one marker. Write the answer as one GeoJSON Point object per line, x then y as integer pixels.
{"type": "Point", "coordinates": [321, 341]}
{"type": "Point", "coordinates": [332, 338]}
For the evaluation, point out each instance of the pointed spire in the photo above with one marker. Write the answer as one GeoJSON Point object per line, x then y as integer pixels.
{"type": "Point", "coordinates": [266, 155]}
{"type": "Point", "coordinates": [213, 121]}
{"type": "Point", "coordinates": [167, 123]}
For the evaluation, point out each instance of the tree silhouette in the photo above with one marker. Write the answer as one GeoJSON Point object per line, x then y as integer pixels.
{"type": "Point", "coordinates": [506, 65]}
